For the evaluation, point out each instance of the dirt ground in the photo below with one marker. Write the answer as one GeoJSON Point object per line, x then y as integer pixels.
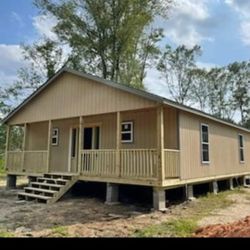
{"type": "Point", "coordinates": [90, 217]}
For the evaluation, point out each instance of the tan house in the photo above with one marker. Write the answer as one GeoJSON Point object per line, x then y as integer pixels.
{"type": "Point", "coordinates": [79, 127]}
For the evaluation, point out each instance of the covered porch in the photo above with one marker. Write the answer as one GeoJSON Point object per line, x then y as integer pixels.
{"type": "Point", "coordinates": [136, 147]}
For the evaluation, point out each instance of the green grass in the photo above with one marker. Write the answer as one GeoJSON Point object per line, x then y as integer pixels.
{"type": "Point", "coordinates": [59, 231]}
{"type": "Point", "coordinates": [186, 225]}
{"type": "Point", "coordinates": [4, 234]}
{"type": "Point", "coordinates": [2, 170]}
{"type": "Point", "coordinates": [172, 228]}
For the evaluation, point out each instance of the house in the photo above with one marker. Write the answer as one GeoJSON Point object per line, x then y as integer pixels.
{"type": "Point", "coordinates": [78, 127]}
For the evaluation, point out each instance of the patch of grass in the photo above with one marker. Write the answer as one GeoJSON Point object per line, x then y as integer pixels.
{"type": "Point", "coordinates": [172, 228]}
{"type": "Point", "coordinates": [187, 225]}
{"type": "Point", "coordinates": [60, 231]}
{"type": "Point", "coordinates": [5, 234]}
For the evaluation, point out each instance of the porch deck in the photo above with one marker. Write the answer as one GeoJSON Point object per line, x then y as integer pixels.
{"type": "Point", "coordinates": [133, 166]}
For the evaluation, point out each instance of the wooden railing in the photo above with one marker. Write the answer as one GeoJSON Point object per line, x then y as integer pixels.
{"type": "Point", "coordinates": [14, 161]}
{"type": "Point", "coordinates": [27, 161]}
{"type": "Point", "coordinates": [126, 163]}
{"type": "Point", "coordinates": [99, 163]}
{"type": "Point", "coordinates": [172, 163]}
{"type": "Point", "coordinates": [138, 163]}
{"type": "Point", "coordinates": [35, 161]}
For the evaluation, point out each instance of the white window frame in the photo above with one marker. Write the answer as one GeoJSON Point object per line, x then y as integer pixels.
{"type": "Point", "coordinates": [241, 148]}
{"type": "Point", "coordinates": [131, 132]}
{"type": "Point", "coordinates": [204, 143]}
{"type": "Point", "coordinates": [55, 137]}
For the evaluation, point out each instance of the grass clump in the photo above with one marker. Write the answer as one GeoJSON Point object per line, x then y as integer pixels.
{"type": "Point", "coordinates": [186, 225]}
{"type": "Point", "coordinates": [5, 234]}
{"type": "Point", "coordinates": [60, 231]}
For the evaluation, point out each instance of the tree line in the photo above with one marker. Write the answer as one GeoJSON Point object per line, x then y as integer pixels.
{"type": "Point", "coordinates": [119, 40]}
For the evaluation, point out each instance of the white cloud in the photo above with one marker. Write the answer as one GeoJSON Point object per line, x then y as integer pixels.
{"type": "Point", "coordinates": [245, 32]}
{"type": "Point", "coordinates": [11, 61]}
{"type": "Point", "coordinates": [44, 26]}
{"type": "Point", "coordinates": [188, 22]}
{"type": "Point", "coordinates": [242, 7]}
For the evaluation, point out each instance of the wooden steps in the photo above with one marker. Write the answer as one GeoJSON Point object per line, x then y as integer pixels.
{"type": "Point", "coordinates": [49, 188]}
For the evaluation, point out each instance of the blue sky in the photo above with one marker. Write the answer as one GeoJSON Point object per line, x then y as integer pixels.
{"type": "Point", "coordinates": [221, 27]}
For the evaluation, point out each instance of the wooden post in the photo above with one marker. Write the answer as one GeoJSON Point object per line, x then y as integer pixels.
{"type": "Point", "coordinates": [7, 146]}
{"type": "Point", "coordinates": [48, 147]}
{"type": "Point", "coordinates": [160, 144]}
{"type": "Point", "coordinates": [118, 142]}
{"type": "Point", "coordinates": [80, 144]}
{"type": "Point", "coordinates": [24, 146]}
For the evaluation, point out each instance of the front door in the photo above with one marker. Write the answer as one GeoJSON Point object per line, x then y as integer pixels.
{"type": "Point", "coordinates": [73, 150]}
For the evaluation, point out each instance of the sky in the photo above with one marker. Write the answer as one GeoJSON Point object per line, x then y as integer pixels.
{"type": "Point", "coordinates": [221, 27]}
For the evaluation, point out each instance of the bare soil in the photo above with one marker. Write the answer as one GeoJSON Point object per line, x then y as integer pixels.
{"type": "Point", "coordinates": [75, 216]}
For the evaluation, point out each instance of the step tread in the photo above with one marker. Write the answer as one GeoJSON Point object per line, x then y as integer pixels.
{"type": "Point", "coordinates": [47, 184]}
{"type": "Point", "coordinates": [51, 179]}
{"type": "Point", "coordinates": [34, 196]}
{"type": "Point", "coordinates": [40, 190]}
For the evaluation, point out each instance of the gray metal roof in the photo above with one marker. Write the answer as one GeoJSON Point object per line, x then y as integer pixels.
{"type": "Point", "coordinates": [123, 87]}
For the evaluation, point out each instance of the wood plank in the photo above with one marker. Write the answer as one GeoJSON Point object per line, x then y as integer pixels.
{"type": "Point", "coordinates": [48, 145]}
{"type": "Point", "coordinates": [7, 145]}
{"type": "Point", "coordinates": [118, 142]}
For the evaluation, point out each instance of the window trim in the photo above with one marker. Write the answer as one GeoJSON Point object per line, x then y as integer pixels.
{"type": "Point", "coordinates": [128, 132]}
{"type": "Point", "coordinates": [243, 148]}
{"type": "Point", "coordinates": [55, 137]}
{"type": "Point", "coordinates": [204, 143]}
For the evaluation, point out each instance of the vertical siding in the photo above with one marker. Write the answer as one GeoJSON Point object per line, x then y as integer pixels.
{"type": "Point", "coordinates": [37, 136]}
{"type": "Point", "coordinates": [144, 128]}
{"type": "Point", "coordinates": [170, 128]}
{"type": "Point", "coordinates": [224, 149]}
{"type": "Point", "coordinates": [60, 154]}
{"type": "Point", "coordinates": [72, 96]}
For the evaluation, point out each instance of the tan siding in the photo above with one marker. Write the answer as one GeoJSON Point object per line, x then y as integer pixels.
{"type": "Point", "coordinates": [224, 150]}
{"type": "Point", "coordinates": [144, 134]}
{"type": "Point", "coordinates": [37, 136]}
{"type": "Point", "coordinates": [144, 128]}
{"type": "Point", "coordinates": [60, 154]}
{"type": "Point", "coordinates": [72, 96]}
{"type": "Point", "coordinates": [170, 128]}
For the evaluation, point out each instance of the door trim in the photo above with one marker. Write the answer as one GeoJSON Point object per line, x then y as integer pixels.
{"type": "Point", "coordinates": [70, 145]}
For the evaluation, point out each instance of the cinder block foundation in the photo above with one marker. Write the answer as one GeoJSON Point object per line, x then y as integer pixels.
{"type": "Point", "coordinates": [11, 182]}
{"type": "Point", "coordinates": [112, 194]}
{"type": "Point", "coordinates": [159, 199]}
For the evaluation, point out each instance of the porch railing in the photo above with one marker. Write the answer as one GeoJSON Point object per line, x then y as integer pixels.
{"type": "Point", "coordinates": [27, 161]}
{"type": "Point", "coordinates": [128, 163]}
{"type": "Point", "coordinates": [14, 161]}
{"type": "Point", "coordinates": [35, 161]}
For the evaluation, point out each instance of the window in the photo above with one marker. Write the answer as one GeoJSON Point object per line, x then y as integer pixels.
{"type": "Point", "coordinates": [204, 143]}
{"type": "Point", "coordinates": [241, 146]}
{"type": "Point", "coordinates": [55, 137]}
{"type": "Point", "coordinates": [127, 132]}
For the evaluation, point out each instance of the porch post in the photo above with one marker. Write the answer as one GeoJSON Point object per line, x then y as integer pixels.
{"type": "Point", "coordinates": [118, 141]}
{"type": "Point", "coordinates": [7, 146]}
{"type": "Point", "coordinates": [160, 144]}
{"type": "Point", "coordinates": [24, 146]}
{"type": "Point", "coordinates": [48, 146]}
{"type": "Point", "coordinates": [80, 144]}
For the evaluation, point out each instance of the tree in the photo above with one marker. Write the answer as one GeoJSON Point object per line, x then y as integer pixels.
{"type": "Point", "coordinates": [176, 67]}
{"type": "Point", "coordinates": [104, 34]}
{"type": "Point", "coordinates": [220, 93]}
{"type": "Point", "coordinates": [43, 58]}
{"type": "Point", "coordinates": [200, 88]}
{"type": "Point", "coordinates": [46, 56]}
{"type": "Point", "coordinates": [240, 78]}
